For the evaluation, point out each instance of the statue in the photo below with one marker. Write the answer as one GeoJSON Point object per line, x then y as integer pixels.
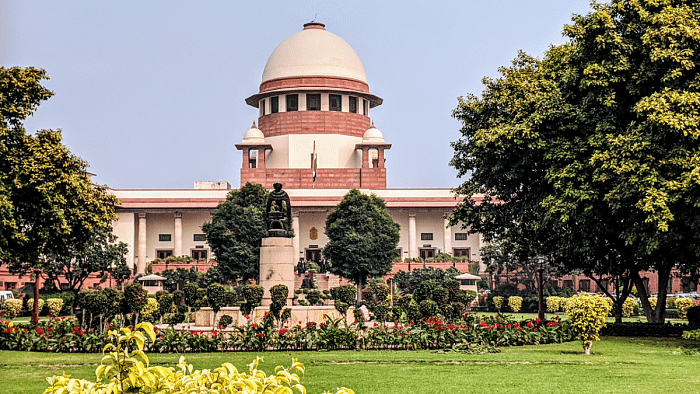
{"type": "Point", "coordinates": [279, 212]}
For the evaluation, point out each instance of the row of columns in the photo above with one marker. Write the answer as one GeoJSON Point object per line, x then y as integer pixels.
{"type": "Point", "coordinates": [365, 156]}
{"type": "Point", "coordinates": [260, 160]}
{"type": "Point", "coordinates": [142, 241]}
{"type": "Point", "coordinates": [413, 249]}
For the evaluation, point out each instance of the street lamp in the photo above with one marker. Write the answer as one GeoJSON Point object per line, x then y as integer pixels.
{"type": "Point", "coordinates": [540, 306]}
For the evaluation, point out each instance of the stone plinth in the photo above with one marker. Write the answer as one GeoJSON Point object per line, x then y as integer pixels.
{"type": "Point", "coordinates": [277, 266]}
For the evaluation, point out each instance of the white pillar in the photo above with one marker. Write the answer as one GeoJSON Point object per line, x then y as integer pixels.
{"type": "Point", "coordinates": [447, 242]}
{"type": "Point", "coordinates": [178, 234]}
{"type": "Point", "coordinates": [296, 242]}
{"type": "Point", "coordinates": [412, 244]}
{"type": "Point", "coordinates": [141, 266]}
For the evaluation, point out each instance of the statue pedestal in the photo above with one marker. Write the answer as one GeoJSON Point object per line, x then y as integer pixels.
{"type": "Point", "coordinates": [277, 266]}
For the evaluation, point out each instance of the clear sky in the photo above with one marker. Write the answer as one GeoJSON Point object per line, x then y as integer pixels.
{"type": "Point", "coordinates": [151, 93]}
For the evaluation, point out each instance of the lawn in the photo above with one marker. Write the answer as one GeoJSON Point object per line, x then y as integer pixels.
{"type": "Point", "coordinates": [616, 365]}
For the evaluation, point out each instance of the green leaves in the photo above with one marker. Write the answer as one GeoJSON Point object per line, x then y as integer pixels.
{"type": "Point", "coordinates": [362, 237]}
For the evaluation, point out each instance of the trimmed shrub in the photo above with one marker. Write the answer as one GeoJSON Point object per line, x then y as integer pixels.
{"type": "Point", "coordinates": [278, 295]}
{"type": "Point", "coordinates": [554, 303]}
{"type": "Point", "coordinates": [359, 316]}
{"type": "Point", "coordinates": [253, 295]}
{"type": "Point", "coordinates": [515, 303]}
{"type": "Point", "coordinates": [587, 316]}
{"type": "Point", "coordinates": [149, 312]}
{"type": "Point", "coordinates": [225, 321]}
{"type": "Point", "coordinates": [30, 304]}
{"type": "Point", "coordinates": [683, 304]}
{"type": "Point", "coordinates": [11, 308]}
{"type": "Point", "coordinates": [314, 297]}
{"type": "Point", "coordinates": [652, 302]}
{"type": "Point", "coordinates": [498, 303]}
{"type": "Point", "coordinates": [343, 297]}
{"type": "Point", "coordinates": [628, 307]}
{"type": "Point", "coordinates": [428, 308]}
{"type": "Point", "coordinates": [55, 305]}
{"type": "Point", "coordinates": [693, 315]}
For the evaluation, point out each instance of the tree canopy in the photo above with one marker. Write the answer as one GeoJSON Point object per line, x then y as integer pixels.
{"type": "Point", "coordinates": [590, 155]}
{"type": "Point", "coordinates": [362, 238]}
{"type": "Point", "coordinates": [48, 202]}
{"type": "Point", "coordinates": [236, 231]}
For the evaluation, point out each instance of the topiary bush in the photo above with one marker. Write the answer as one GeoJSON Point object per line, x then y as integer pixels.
{"type": "Point", "coordinates": [11, 308]}
{"type": "Point", "coordinates": [55, 305]}
{"type": "Point", "coordinates": [628, 307]}
{"type": "Point", "coordinates": [135, 299]}
{"type": "Point", "coordinates": [278, 295]}
{"type": "Point", "coordinates": [498, 303]}
{"type": "Point", "coordinates": [693, 315]}
{"type": "Point", "coordinates": [30, 304]}
{"type": "Point", "coordinates": [428, 308]}
{"type": "Point", "coordinates": [343, 297]}
{"type": "Point", "coordinates": [253, 295]}
{"type": "Point", "coordinates": [314, 297]}
{"type": "Point", "coordinates": [150, 311]}
{"type": "Point", "coordinates": [515, 303]}
{"type": "Point", "coordinates": [587, 316]}
{"type": "Point", "coordinates": [225, 321]}
{"type": "Point", "coordinates": [683, 304]}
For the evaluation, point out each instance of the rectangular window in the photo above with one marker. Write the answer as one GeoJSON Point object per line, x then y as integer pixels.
{"type": "Point", "coordinates": [262, 107]}
{"type": "Point", "coordinates": [426, 236]}
{"type": "Point", "coordinates": [461, 252]}
{"type": "Point", "coordinates": [10, 285]}
{"type": "Point", "coordinates": [353, 104]}
{"type": "Point", "coordinates": [584, 285]}
{"type": "Point", "coordinates": [399, 253]}
{"type": "Point", "coordinates": [164, 254]}
{"type": "Point", "coordinates": [200, 237]}
{"type": "Point", "coordinates": [467, 282]}
{"type": "Point", "coordinates": [554, 283]}
{"type": "Point", "coordinates": [199, 254]}
{"type": "Point", "coordinates": [274, 104]}
{"type": "Point", "coordinates": [335, 102]}
{"type": "Point", "coordinates": [460, 236]}
{"type": "Point", "coordinates": [292, 102]}
{"type": "Point", "coordinates": [365, 107]}
{"type": "Point", "coordinates": [426, 253]}
{"type": "Point", "coordinates": [313, 102]}
{"type": "Point", "coordinates": [568, 284]}
{"type": "Point", "coordinates": [164, 237]}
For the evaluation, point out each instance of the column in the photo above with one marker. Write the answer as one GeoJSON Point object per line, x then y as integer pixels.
{"type": "Point", "coordinates": [141, 265]}
{"type": "Point", "coordinates": [447, 243]}
{"type": "Point", "coordinates": [412, 244]}
{"type": "Point", "coordinates": [261, 158]}
{"type": "Point", "coordinates": [296, 241]}
{"type": "Point", "coordinates": [365, 157]}
{"type": "Point", "coordinates": [178, 234]}
{"type": "Point", "coordinates": [380, 157]}
{"type": "Point", "coordinates": [246, 158]}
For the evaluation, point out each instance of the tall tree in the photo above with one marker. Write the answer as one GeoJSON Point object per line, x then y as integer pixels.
{"type": "Point", "coordinates": [100, 254]}
{"type": "Point", "coordinates": [236, 231]}
{"type": "Point", "coordinates": [600, 140]}
{"type": "Point", "coordinates": [47, 200]}
{"type": "Point", "coordinates": [362, 238]}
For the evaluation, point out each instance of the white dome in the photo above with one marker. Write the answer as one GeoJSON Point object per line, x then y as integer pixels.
{"type": "Point", "coordinates": [254, 135]}
{"type": "Point", "coordinates": [314, 52]}
{"type": "Point", "coordinates": [373, 135]}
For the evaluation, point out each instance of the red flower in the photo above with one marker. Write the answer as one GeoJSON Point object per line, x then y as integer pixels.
{"type": "Point", "coordinates": [538, 320]}
{"type": "Point", "coordinates": [215, 332]}
{"type": "Point", "coordinates": [259, 335]}
{"type": "Point", "coordinates": [63, 339]}
{"type": "Point", "coordinates": [39, 331]}
{"type": "Point", "coordinates": [254, 325]}
{"type": "Point", "coordinates": [529, 324]}
{"type": "Point", "coordinates": [247, 317]}
{"type": "Point", "coordinates": [266, 313]}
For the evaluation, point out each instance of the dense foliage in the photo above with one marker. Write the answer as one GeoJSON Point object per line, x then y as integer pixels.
{"type": "Point", "coordinates": [362, 238]}
{"type": "Point", "coordinates": [236, 231]}
{"type": "Point", "coordinates": [587, 315]}
{"type": "Point", "coordinates": [66, 335]}
{"type": "Point", "coordinates": [589, 156]}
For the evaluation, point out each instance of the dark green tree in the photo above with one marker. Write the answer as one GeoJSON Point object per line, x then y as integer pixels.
{"type": "Point", "coordinates": [98, 255]}
{"type": "Point", "coordinates": [236, 231]}
{"type": "Point", "coordinates": [216, 296]}
{"type": "Point", "coordinates": [362, 238]}
{"type": "Point", "coordinates": [589, 156]}
{"type": "Point", "coordinates": [135, 299]}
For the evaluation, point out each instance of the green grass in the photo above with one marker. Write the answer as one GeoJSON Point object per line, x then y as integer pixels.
{"type": "Point", "coordinates": [616, 365]}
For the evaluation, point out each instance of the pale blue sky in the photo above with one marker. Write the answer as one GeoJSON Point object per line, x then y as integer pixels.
{"type": "Point", "coordinates": [152, 93]}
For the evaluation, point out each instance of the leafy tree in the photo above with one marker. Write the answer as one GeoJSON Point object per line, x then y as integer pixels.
{"type": "Point", "coordinates": [362, 238]}
{"type": "Point", "coordinates": [591, 153]}
{"type": "Point", "coordinates": [47, 200]}
{"type": "Point", "coordinates": [135, 299]}
{"type": "Point", "coordinates": [236, 231]}
{"type": "Point", "coordinates": [216, 295]}
{"type": "Point", "coordinates": [120, 271]}
{"type": "Point", "coordinates": [409, 282]}
{"type": "Point", "coordinates": [98, 254]}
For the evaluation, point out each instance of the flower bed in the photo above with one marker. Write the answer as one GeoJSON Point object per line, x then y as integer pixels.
{"type": "Point", "coordinates": [65, 335]}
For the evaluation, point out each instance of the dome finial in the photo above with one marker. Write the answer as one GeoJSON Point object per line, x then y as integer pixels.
{"type": "Point", "coordinates": [254, 126]}
{"type": "Point", "coordinates": [372, 126]}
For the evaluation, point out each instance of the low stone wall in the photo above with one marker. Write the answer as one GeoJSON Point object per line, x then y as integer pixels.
{"type": "Point", "coordinates": [300, 314]}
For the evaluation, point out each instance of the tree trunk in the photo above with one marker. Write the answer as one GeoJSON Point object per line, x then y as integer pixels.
{"type": "Point", "coordinates": [657, 315]}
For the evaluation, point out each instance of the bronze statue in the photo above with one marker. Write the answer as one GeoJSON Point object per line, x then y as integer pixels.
{"type": "Point", "coordinates": [279, 212]}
